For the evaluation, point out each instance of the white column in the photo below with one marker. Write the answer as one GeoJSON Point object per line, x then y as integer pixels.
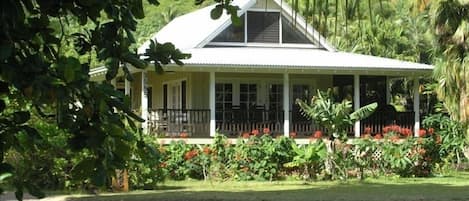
{"type": "Point", "coordinates": [126, 87]}
{"type": "Point", "coordinates": [388, 90]}
{"type": "Point", "coordinates": [356, 102]}
{"type": "Point", "coordinates": [416, 106]}
{"type": "Point", "coordinates": [212, 104]}
{"type": "Point", "coordinates": [144, 102]}
{"type": "Point", "coordinates": [286, 105]}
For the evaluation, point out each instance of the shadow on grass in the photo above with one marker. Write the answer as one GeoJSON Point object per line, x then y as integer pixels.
{"type": "Point", "coordinates": [273, 192]}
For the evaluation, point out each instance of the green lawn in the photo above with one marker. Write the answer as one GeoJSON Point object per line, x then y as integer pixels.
{"type": "Point", "coordinates": [383, 189]}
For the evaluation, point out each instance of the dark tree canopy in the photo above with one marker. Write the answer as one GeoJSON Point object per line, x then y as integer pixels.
{"type": "Point", "coordinates": [44, 69]}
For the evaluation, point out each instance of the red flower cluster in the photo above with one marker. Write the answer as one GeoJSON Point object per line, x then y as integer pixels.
{"type": "Point", "coordinates": [431, 131]}
{"type": "Point", "coordinates": [183, 135]}
{"type": "Point", "coordinates": [190, 154]}
{"type": "Point", "coordinates": [292, 134]}
{"type": "Point", "coordinates": [392, 128]}
{"type": "Point", "coordinates": [378, 136]}
{"type": "Point", "coordinates": [245, 135]}
{"type": "Point", "coordinates": [317, 134]}
{"type": "Point", "coordinates": [266, 131]}
{"type": "Point", "coordinates": [422, 133]}
{"type": "Point", "coordinates": [207, 150]}
{"type": "Point", "coordinates": [367, 130]}
{"type": "Point", "coordinates": [255, 132]}
{"type": "Point", "coordinates": [405, 132]}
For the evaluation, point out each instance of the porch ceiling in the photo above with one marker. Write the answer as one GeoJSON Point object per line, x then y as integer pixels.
{"type": "Point", "coordinates": [294, 60]}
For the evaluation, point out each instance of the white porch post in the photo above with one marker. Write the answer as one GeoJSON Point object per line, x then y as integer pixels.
{"type": "Point", "coordinates": [212, 104]}
{"type": "Point", "coordinates": [356, 102]}
{"type": "Point", "coordinates": [286, 105]}
{"type": "Point", "coordinates": [126, 87]}
{"type": "Point", "coordinates": [144, 102]}
{"type": "Point", "coordinates": [416, 107]}
{"type": "Point", "coordinates": [388, 90]}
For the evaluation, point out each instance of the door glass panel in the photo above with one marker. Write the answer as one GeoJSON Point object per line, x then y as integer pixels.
{"type": "Point", "coordinates": [247, 95]}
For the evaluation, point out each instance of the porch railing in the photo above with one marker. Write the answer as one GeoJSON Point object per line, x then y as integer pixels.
{"type": "Point", "coordinates": [196, 122]}
{"type": "Point", "coordinates": [378, 121]}
{"type": "Point", "coordinates": [173, 122]}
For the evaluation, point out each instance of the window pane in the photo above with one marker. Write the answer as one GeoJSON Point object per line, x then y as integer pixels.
{"type": "Point", "coordinates": [290, 34]}
{"type": "Point", "coordinates": [263, 27]}
{"type": "Point", "coordinates": [232, 33]}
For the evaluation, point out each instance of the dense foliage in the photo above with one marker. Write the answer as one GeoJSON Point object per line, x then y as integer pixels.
{"type": "Point", "coordinates": [44, 68]}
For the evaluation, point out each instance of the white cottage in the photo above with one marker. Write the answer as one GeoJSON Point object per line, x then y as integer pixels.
{"type": "Point", "coordinates": [247, 77]}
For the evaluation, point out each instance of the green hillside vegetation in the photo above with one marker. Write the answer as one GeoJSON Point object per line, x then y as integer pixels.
{"type": "Point", "coordinates": [158, 16]}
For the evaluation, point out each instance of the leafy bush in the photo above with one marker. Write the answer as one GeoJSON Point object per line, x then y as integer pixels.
{"type": "Point", "coordinates": [450, 134]}
{"type": "Point", "coordinates": [147, 168]}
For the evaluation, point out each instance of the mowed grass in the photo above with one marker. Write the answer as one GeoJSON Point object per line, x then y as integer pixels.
{"type": "Point", "coordinates": [383, 189]}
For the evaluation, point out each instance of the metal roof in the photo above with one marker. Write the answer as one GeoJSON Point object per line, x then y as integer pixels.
{"type": "Point", "coordinates": [295, 58]}
{"type": "Point", "coordinates": [190, 30]}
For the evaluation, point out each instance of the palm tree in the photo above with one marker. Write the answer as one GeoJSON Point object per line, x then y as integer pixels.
{"type": "Point", "coordinates": [452, 29]}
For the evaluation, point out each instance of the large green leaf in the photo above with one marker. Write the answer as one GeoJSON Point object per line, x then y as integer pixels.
{"type": "Point", "coordinates": [363, 112]}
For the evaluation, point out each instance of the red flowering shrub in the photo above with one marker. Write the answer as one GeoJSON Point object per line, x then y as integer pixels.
{"type": "Point", "coordinates": [422, 133]}
{"type": "Point", "coordinates": [190, 154]}
{"type": "Point", "coordinates": [431, 131]}
{"type": "Point", "coordinates": [292, 134]}
{"type": "Point", "coordinates": [255, 132]}
{"type": "Point", "coordinates": [266, 131]}
{"type": "Point", "coordinates": [183, 135]}
{"type": "Point", "coordinates": [367, 130]}
{"type": "Point", "coordinates": [207, 150]}
{"type": "Point", "coordinates": [378, 136]}
{"type": "Point", "coordinates": [246, 135]}
{"type": "Point", "coordinates": [317, 134]}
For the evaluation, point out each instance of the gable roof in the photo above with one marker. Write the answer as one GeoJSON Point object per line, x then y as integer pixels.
{"type": "Point", "coordinates": [190, 30]}
{"type": "Point", "coordinates": [197, 29]}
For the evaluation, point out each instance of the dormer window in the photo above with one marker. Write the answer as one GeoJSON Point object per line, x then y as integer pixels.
{"type": "Point", "coordinates": [261, 27]}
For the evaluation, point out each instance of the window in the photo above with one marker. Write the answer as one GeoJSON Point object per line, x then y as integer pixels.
{"type": "Point", "coordinates": [183, 95]}
{"type": "Point", "coordinates": [301, 91]}
{"type": "Point", "coordinates": [276, 97]}
{"type": "Point", "coordinates": [165, 96]}
{"type": "Point", "coordinates": [276, 102]}
{"type": "Point", "coordinates": [150, 97]}
{"type": "Point", "coordinates": [232, 33]}
{"type": "Point", "coordinates": [263, 27]}
{"type": "Point", "coordinates": [290, 34]}
{"type": "Point", "coordinates": [247, 95]}
{"type": "Point", "coordinates": [343, 87]}
{"type": "Point", "coordinates": [223, 100]}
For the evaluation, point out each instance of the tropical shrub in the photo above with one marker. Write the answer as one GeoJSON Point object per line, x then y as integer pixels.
{"type": "Point", "coordinates": [451, 135]}
{"type": "Point", "coordinates": [147, 167]}
{"type": "Point", "coordinates": [260, 158]}
{"type": "Point", "coordinates": [308, 158]}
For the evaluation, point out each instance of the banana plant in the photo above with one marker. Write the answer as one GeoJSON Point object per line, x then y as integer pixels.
{"type": "Point", "coordinates": [309, 157]}
{"type": "Point", "coordinates": [335, 117]}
